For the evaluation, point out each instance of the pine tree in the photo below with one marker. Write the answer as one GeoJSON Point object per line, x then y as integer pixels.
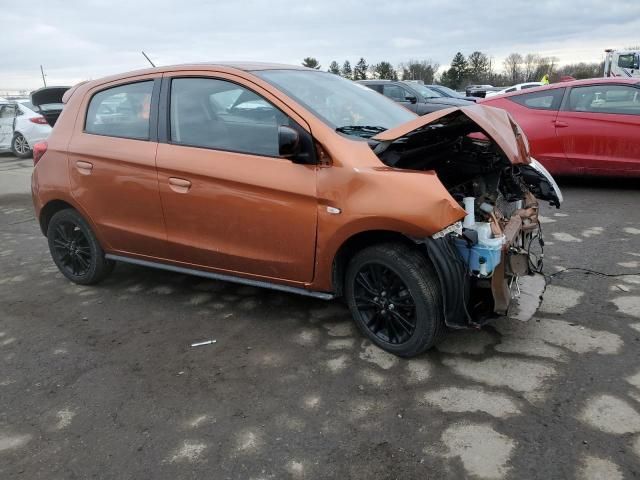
{"type": "Point", "coordinates": [311, 62]}
{"type": "Point", "coordinates": [385, 71]}
{"type": "Point", "coordinates": [360, 70]}
{"type": "Point", "coordinates": [346, 70]}
{"type": "Point", "coordinates": [334, 68]}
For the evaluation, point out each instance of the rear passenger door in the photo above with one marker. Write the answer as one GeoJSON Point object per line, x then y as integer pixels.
{"type": "Point", "coordinates": [112, 165]}
{"type": "Point", "coordinates": [230, 202]}
{"type": "Point", "coordinates": [599, 126]}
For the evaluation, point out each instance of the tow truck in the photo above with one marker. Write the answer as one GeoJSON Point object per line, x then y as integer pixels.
{"type": "Point", "coordinates": [622, 63]}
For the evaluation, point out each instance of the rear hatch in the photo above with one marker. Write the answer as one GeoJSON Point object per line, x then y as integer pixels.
{"type": "Point", "coordinates": [48, 101]}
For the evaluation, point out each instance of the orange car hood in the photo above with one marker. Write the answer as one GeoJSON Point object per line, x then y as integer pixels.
{"type": "Point", "coordinates": [495, 123]}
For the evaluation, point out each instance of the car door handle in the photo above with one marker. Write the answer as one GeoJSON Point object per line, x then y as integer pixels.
{"type": "Point", "coordinates": [179, 185]}
{"type": "Point", "coordinates": [560, 124]}
{"type": "Point", "coordinates": [83, 167]}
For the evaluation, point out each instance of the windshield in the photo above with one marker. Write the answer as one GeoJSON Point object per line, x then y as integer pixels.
{"type": "Point", "coordinates": [426, 92]}
{"type": "Point", "coordinates": [346, 106]}
{"type": "Point", "coordinates": [450, 91]}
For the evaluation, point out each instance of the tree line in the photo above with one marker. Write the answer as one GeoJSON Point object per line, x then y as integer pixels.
{"type": "Point", "coordinates": [476, 68]}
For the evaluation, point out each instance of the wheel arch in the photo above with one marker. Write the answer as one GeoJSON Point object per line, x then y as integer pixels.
{"type": "Point", "coordinates": [356, 243]}
{"type": "Point", "coordinates": [49, 210]}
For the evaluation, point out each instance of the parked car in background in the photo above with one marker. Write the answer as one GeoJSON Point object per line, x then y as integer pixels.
{"type": "Point", "coordinates": [414, 96]}
{"type": "Point", "coordinates": [277, 176]}
{"type": "Point", "coordinates": [451, 93]}
{"type": "Point", "coordinates": [480, 91]}
{"type": "Point", "coordinates": [515, 88]}
{"type": "Point", "coordinates": [583, 127]}
{"type": "Point", "coordinates": [27, 121]}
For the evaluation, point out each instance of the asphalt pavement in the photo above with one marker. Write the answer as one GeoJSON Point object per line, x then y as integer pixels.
{"type": "Point", "coordinates": [102, 381]}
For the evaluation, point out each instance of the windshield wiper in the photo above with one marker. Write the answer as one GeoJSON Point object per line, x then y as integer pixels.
{"type": "Point", "coordinates": [360, 130]}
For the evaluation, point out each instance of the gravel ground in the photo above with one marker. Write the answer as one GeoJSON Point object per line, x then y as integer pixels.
{"type": "Point", "coordinates": [101, 382]}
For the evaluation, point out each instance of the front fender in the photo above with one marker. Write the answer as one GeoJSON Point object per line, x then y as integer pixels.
{"type": "Point", "coordinates": [411, 203]}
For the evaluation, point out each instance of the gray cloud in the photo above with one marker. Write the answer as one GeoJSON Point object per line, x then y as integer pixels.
{"type": "Point", "coordinates": [80, 40]}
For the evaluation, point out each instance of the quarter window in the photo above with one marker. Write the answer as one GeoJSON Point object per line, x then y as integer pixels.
{"type": "Point", "coordinates": [618, 99]}
{"type": "Point", "coordinates": [121, 111]}
{"type": "Point", "coordinates": [546, 100]}
{"type": "Point", "coordinates": [223, 115]}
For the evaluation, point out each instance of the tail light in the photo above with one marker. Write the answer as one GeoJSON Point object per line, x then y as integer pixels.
{"type": "Point", "coordinates": [39, 150]}
{"type": "Point", "coordinates": [40, 120]}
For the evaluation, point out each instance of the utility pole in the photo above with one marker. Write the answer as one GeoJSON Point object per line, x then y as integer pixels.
{"type": "Point", "coordinates": [43, 75]}
{"type": "Point", "coordinates": [148, 59]}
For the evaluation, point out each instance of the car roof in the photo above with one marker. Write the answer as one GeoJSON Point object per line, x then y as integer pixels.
{"type": "Point", "coordinates": [572, 83]}
{"type": "Point", "coordinates": [365, 82]}
{"type": "Point", "coordinates": [223, 66]}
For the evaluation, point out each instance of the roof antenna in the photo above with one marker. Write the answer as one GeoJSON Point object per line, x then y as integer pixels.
{"type": "Point", "coordinates": [148, 59]}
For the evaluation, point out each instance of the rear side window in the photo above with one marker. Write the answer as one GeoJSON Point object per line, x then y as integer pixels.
{"type": "Point", "coordinates": [222, 115]}
{"type": "Point", "coordinates": [547, 100]}
{"type": "Point", "coordinates": [617, 99]}
{"type": "Point", "coordinates": [121, 111]}
{"type": "Point", "coordinates": [377, 88]}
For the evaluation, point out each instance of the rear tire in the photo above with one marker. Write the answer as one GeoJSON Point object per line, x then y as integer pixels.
{"type": "Point", "coordinates": [75, 249]}
{"type": "Point", "coordinates": [20, 147]}
{"type": "Point", "coordinates": [394, 296]}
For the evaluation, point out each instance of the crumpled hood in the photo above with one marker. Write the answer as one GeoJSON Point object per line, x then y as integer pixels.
{"type": "Point", "coordinates": [493, 122]}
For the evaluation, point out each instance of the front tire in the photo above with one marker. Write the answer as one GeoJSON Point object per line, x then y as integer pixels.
{"type": "Point", "coordinates": [394, 296]}
{"type": "Point", "coordinates": [20, 147]}
{"type": "Point", "coordinates": [75, 249]}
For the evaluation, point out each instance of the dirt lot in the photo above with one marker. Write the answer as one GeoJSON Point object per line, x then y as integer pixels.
{"type": "Point", "coordinates": [101, 382]}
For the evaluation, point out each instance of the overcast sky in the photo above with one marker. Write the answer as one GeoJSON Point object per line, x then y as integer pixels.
{"type": "Point", "coordinates": [91, 38]}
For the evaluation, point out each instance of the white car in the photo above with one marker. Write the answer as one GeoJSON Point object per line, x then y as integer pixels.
{"type": "Point", "coordinates": [25, 122]}
{"type": "Point", "coordinates": [520, 86]}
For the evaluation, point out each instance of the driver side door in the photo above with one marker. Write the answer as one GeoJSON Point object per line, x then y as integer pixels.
{"type": "Point", "coordinates": [230, 202]}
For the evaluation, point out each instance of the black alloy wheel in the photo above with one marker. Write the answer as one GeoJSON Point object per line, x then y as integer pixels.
{"type": "Point", "coordinates": [394, 296]}
{"type": "Point", "coordinates": [384, 303]}
{"type": "Point", "coordinates": [72, 249]}
{"type": "Point", "coordinates": [75, 248]}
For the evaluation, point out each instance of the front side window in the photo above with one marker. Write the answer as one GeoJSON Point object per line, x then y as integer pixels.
{"type": "Point", "coordinates": [546, 100]}
{"type": "Point", "coordinates": [396, 92]}
{"type": "Point", "coordinates": [121, 111]}
{"type": "Point", "coordinates": [223, 115]}
{"type": "Point", "coordinates": [617, 99]}
{"type": "Point", "coordinates": [628, 60]}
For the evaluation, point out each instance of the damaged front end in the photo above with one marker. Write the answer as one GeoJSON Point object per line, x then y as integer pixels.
{"type": "Point", "coordinates": [490, 263]}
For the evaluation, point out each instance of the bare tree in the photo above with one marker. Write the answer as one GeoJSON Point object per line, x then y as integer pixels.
{"type": "Point", "coordinates": [530, 63]}
{"type": "Point", "coordinates": [423, 70]}
{"type": "Point", "coordinates": [513, 67]}
{"type": "Point", "coordinates": [545, 66]}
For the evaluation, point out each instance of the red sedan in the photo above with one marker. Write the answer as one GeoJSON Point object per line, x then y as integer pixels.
{"type": "Point", "coordinates": [583, 127]}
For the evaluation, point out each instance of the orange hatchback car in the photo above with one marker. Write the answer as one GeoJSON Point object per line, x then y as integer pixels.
{"type": "Point", "coordinates": [298, 180]}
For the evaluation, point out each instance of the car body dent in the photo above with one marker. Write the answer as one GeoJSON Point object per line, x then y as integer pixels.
{"type": "Point", "coordinates": [494, 122]}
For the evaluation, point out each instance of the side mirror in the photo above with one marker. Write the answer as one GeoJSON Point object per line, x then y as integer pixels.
{"type": "Point", "coordinates": [288, 142]}
{"type": "Point", "coordinates": [411, 99]}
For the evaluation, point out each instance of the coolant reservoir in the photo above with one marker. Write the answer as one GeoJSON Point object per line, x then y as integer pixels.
{"type": "Point", "coordinates": [469, 207]}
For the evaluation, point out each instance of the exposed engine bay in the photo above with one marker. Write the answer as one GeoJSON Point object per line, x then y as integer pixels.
{"type": "Point", "coordinates": [498, 247]}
